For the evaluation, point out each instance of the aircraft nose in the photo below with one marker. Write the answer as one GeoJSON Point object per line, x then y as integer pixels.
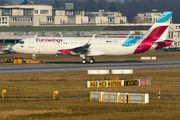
{"type": "Point", "coordinates": [14, 48]}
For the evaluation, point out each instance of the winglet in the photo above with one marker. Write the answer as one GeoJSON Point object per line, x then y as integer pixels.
{"type": "Point", "coordinates": [90, 39]}
{"type": "Point", "coordinates": [128, 36]}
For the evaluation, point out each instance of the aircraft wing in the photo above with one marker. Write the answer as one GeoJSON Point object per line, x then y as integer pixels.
{"type": "Point", "coordinates": [77, 50]}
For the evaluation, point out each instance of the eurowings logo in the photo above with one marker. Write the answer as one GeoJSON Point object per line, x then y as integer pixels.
{"type": "Point", "coordinates": [165, 17]}
{"type": "Point", "coordinates": [49, 40]}
{"type": "Point", "coordinates": [147, 43]}
{"type": "Point", "coordinates": [157, 31]}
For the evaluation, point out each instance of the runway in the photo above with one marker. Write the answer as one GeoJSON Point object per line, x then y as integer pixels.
{"type": "Point", "coordinates": [74, 67]}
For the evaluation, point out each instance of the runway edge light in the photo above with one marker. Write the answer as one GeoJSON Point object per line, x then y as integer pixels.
{"type": "Point", "coordinates": [54, 94]}
{"type": "Point", "coordinates": [3, 92]}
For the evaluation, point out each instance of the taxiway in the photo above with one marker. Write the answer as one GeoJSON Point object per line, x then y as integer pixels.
{"type": "Point", "coordinates": [74, 67]}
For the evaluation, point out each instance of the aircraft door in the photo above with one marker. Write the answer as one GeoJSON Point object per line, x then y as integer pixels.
{"type": "Point", "coordinates": [72, 43]}
{"type": "Point", "coordinates": [31, 43]}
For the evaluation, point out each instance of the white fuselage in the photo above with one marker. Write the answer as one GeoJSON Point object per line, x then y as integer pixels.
{"type": "Point", "coordinates": [44, 45]}
{"type": "Point", "coordinates": [51, 45]}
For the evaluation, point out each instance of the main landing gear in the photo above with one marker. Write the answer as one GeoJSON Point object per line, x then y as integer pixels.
{"type": "Point", "coordinates": [84, 60]}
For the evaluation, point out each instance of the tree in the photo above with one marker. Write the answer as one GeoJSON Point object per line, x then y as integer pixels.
{"type": "Point", "coordinates": [102, 4]}
{"type": "Point", "coordinates": [3, 2]}
{"type": "Point", "coordinates": [90, 6]}
{"type": "Point", "coordinates": [112, 7]}
{"type": "Point", "coordinates": [56, 4]}
{"type": "Point", "coordinates": [48, 2]}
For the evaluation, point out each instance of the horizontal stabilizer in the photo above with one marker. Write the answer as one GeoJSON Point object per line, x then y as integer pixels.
{"type": "Point", "coordinates": [164, 42]}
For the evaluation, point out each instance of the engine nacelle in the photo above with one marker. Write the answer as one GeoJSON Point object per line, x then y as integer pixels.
{"type": "Point", "coordinates": [64, 51]}
{"type": "Point", "coordinates": [95, 53]}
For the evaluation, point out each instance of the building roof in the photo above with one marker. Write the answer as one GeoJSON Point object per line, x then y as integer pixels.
{"type": "Point", "coordinates": [124, 28]}
{"type": "Point", "coordinates": [25, 2]}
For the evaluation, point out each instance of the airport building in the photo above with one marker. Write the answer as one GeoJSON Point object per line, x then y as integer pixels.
{"type": "Point", "coordinates": [29, 14]}
{"type": "Point", "coordinates": [40, 15]}
{"type": "Point", "coordinates": [147, 17]}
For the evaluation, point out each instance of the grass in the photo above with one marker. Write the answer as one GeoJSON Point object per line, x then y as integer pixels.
{"type": "Point", "coordinates": [166, 109]}
{"type": "Point", "coordinates": [29, 96]}
{"type": "Point", "coordinates": [52, 28]}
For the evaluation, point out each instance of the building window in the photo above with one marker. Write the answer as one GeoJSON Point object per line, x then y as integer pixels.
{"type": "Point", "coordinates": [28, 12]}
{"type": "Point", "coordinates": [44, 12]}
{"type": "Point", "coordinates": [6, 12]}
{"type": "Point", "coordinates": [4, 20]}
{"type": "Point", "coordinates": [178, 43]}
{"type": "Point", "coordinates": [14, 19]}
{"type": "Point", "coordinates": [111, 20]}
{"type": "Point", "coordinates": [50, 19]}
{"type": "Point", "coordinates": [121, 21]}
{"type": "Point", "coordinates": [91, 20]}
{"type": "Point", "coordinates": [171, 34]}
{"type": "Point", "coordinates": [36, 11]}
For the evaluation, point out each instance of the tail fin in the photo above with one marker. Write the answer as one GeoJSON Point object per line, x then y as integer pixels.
{"type": "Point", "coordinates": [160, 29]}
{"type": "Point", "coordinates": [158, 32]}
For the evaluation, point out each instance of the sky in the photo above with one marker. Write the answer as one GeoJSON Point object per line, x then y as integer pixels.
{"type": "Point", "coordinates": [20, 1]}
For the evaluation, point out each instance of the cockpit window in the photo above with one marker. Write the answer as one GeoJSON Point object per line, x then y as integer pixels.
{"type": "Point", "coordinates": [21, 42]}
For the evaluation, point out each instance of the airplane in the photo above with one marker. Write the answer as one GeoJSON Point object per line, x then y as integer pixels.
{"type": "Point", "coordinates": [154, 38]}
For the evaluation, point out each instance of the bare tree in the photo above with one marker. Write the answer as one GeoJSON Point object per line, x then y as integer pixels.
{"type": "Point", "coordinates": [48, 2]}
{"type": "Point", "coordinates": [3, 2]}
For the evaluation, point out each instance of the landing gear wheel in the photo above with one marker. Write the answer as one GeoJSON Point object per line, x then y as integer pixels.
{"type": "Point", "coordinates": [91, 61]}
{"type": "Point", "coordinates": [84, 61]}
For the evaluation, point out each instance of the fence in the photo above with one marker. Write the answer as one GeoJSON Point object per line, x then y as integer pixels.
{"type": "Point", "coordinates": [117, 97]}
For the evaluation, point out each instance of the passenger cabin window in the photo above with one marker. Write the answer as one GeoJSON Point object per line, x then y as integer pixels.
{"type": "Point", "coordinates": [21, 42]}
